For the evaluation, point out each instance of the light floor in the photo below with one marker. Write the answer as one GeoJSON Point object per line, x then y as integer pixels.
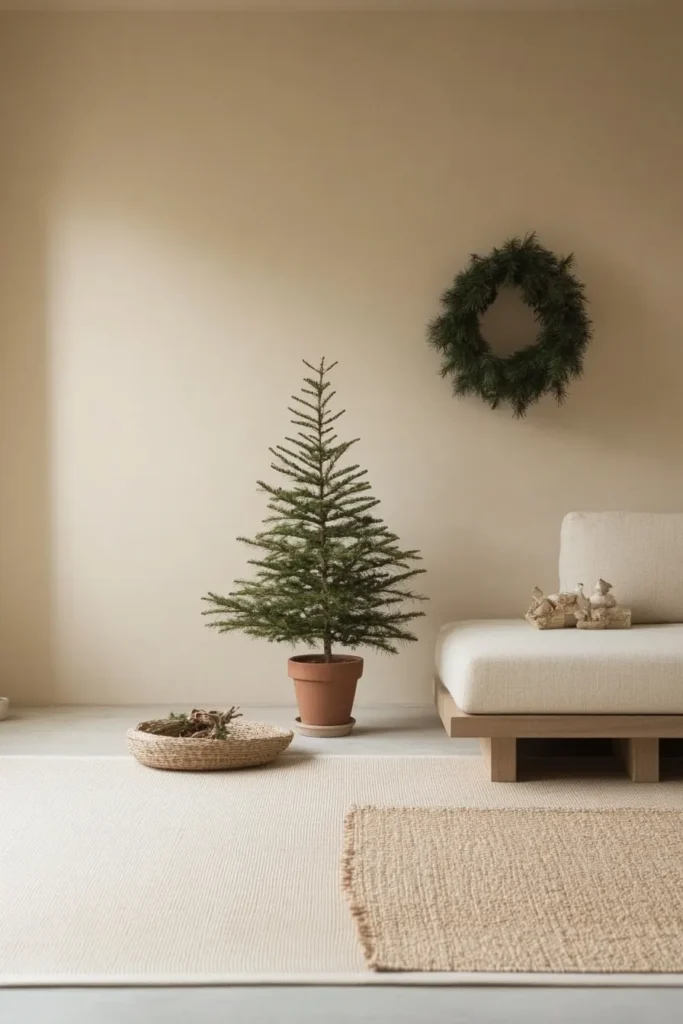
{"type": "Point", "coordinates": [394, 729]}
{"type": "Point", "coordinates": [380, 730]}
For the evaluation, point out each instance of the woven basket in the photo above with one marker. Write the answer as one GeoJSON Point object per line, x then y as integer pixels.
{"type": "Point", "coordinates": [248, 744]}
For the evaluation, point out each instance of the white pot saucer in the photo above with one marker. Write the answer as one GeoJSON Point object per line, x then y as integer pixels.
{"type": "Point", "coordinates": [324, 731]}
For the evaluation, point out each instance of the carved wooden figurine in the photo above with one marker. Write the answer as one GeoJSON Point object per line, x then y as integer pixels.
{"type": "Point", "coordinates": [604, 611]}
{"type": "Point", "coordinates": [573, 603]}
{"type": "Point", "coordinates": [573, 608]}
{"type": "Point", "coordinates": [544, 613]}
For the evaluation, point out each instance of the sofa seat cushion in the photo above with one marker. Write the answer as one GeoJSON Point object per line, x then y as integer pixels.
{"type": "Point", "coordinates": [505, 666]}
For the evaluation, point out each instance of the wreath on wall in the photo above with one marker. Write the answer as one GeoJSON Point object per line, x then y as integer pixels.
{"type": "Point", "coordinates": [546, 366]}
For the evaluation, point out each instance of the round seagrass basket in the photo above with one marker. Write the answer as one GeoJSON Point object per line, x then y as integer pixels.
{"type": "Point", "coordinates": [248, 744]}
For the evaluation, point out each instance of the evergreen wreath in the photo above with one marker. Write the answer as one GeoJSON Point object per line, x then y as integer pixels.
{"type": "Point", "coordinates": [544, 367]}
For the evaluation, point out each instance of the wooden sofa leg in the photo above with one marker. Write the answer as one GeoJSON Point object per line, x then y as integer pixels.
{"type": "Point", "coordinates": [500, 754]}
{"type": "Point", "coordinates": [640, 757]}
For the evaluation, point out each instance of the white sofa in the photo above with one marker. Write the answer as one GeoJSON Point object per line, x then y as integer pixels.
{"type": "Point", "coordinates": [507, 668]}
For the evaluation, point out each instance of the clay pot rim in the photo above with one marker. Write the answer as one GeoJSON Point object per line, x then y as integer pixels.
{"type": "Point", "coordinates": [319, 659]}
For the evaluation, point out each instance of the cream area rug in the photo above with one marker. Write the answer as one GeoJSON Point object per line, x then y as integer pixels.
{"type": "Point", "coordinates": [453, 889]}
{"type": "Point", "coordinates": [112, 873]}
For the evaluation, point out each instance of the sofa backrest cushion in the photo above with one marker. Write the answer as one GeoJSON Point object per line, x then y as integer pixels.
{"type": "Point", "coordinates": [640, 553]}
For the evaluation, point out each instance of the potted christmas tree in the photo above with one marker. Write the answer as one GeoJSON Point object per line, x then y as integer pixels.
{"type": "Point", "coordinates": [330, 574]}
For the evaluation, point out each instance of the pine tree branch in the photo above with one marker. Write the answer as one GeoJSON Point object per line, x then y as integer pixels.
{"type": "Point", "coordinates": [291, 459]}
{"type": "Point", "coordinates": [331, 419]}
{"type": "Point", "coordinates": [299, 419]}
{"type": "Point", "coordinates": [309, 405]}
{"type": "Point", "coordinates": [279, 450]}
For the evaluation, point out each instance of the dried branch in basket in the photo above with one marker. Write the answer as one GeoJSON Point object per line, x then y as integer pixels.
{"type": "Point", "coordinates": [199, 724]}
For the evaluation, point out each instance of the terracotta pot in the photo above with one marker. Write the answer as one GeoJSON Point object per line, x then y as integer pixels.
{"type": "Point", "coordinates": [325, 689]}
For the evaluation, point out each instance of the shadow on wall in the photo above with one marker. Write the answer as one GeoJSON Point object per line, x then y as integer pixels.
{"type": "Point", "coordinates": [26, 582]}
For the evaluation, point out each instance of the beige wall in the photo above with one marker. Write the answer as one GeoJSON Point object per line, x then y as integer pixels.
{"type": "Point", "coordinates": [190, 204]}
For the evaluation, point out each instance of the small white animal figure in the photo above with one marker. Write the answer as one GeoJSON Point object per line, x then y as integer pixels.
{"type": "Point", "coordinates": [601, 597]}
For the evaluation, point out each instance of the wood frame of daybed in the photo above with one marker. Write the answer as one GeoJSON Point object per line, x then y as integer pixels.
{"type": "Point", "coordinates": [635, 737]}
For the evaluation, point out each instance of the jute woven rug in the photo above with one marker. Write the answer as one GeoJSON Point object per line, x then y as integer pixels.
{"type": "Point", "coordinates": [111, 873]}
{"type": "Point", "coordinates": [455, 889]}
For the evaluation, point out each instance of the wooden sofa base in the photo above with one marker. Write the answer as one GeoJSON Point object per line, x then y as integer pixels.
{"type": "Point", "coordinates": [635, 738]}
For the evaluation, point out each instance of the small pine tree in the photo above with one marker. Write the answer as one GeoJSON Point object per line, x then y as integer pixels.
{"type": "Point", "coordinates": [331, 574]}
